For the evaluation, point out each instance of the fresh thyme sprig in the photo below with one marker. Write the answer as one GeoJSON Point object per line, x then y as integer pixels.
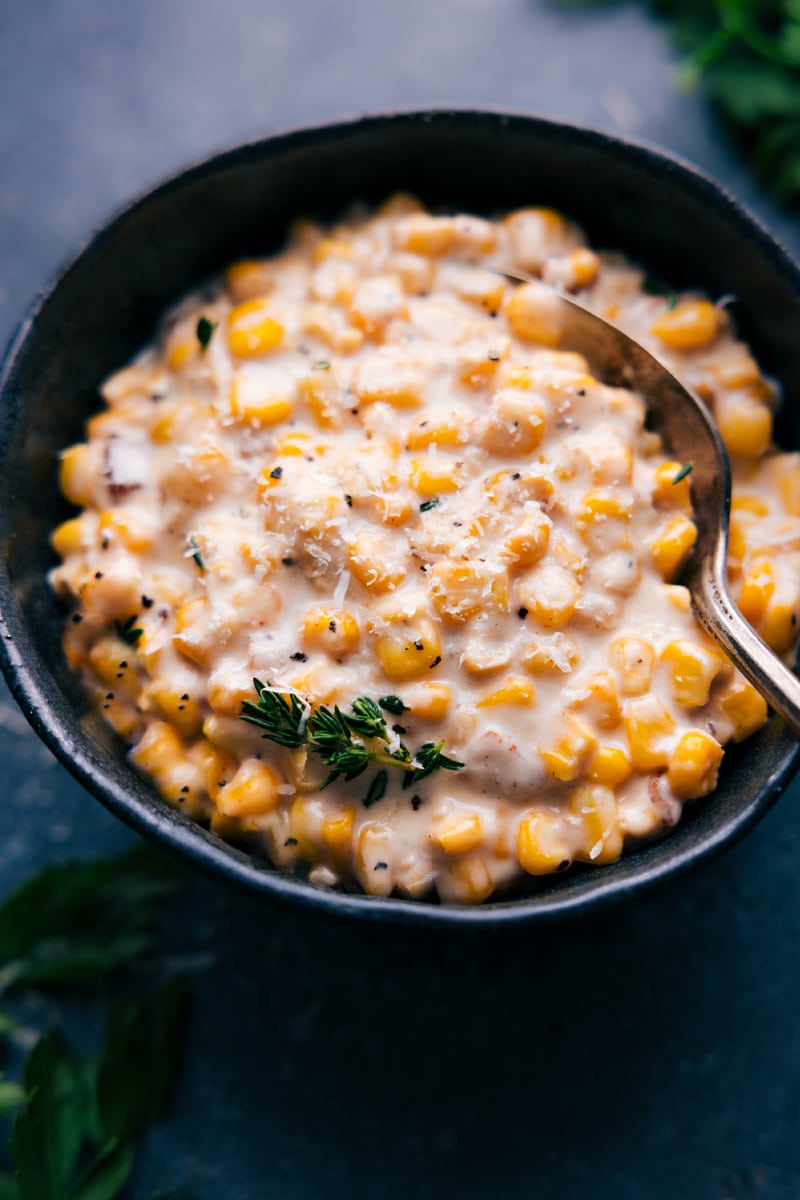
{"type": "Point", "coordinates": [336, 737]}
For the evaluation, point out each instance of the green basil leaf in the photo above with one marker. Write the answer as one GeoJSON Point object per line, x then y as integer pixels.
{"type": "Point", "coordinates": [140, 1060]}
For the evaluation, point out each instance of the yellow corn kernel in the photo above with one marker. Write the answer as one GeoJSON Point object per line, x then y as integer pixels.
{"type": "Point", "coordinates": [596, 512]}
{"type": "Point", "coordinates": [112, 596]}
{"type": "Point", "coordinates": [535, 234]}
{"type": "Point", "coordinates": [393, 508]}
{"type": "Point", "coordinates": [334, 630]}
{"type": "Point", "coordinates": [745, 425]}
{"type": "Point", "coordinates": [180, 351]}
{"type": "Point", "coordinates": [466, 880]}
{"type": "Point", "coordinates": [409, 650]}
{"type": "Point", "coordinates": [459, 833]}
{"type": "Point", "coordinates": [133, 532]}
{"type": "Point", "coordinates": [513, 691]}
{"type": "Point", "coordinates": [461, 590]}
{"type": "Point", "coordinates": [192, 636]}
{"type": "Point", "coordinates": [780, 622]}
{"type": "Point", "coordinates": [426, 430]}
{"type": "Point", "coordinates": [515, 425]}
{"type": "Point", "coordinates": [73, 535]}
{"type": "Point", "coordinates": [252, 332]}
{"type": "Point", "coordinates": [337, 833]}
{"type": "Point", "coordinates": [557, 654]}
{"type": "Point", "coordinates": [692, 670]}
{"type": "Point", "coordinates": [217, 765]}
{"type": "Point", "coordinates": [200, 473]}
{"type": "Point", "coordinates": [159, 749]}
{"type": "Point", "coordinates": [331, 248]}
{"type": "Point", "coordinates": [369, 562]}
{"type": "Point", "coordinates": [374, 302]}
{"type": "Point", "coordinates": [110, 661]}
{"type": "Point", "coordinates": [758, 588]}
{"type": "Point", "coordinates": [79, 473]}
{"type": "Point", "coordinates": [424, 234]}
{"type": "Point", "coordinates": [322, 394]}
{"type": "Point", "coordinates": [179, 707]}
{"type": "Point", "coordinates": [670, 549]}
{"type": "Point", "coordinates": [543, 844]}
{"type": "Point", "coordinates": [383, 378]}
{"type": "Point", "coordinates": [611, 465]}
{"type": "Point", "coordinates": [130, 381]}
{"type": "Point", "coordinates": [667, 493]}
{"type": "Point", "coordinates": [550, 595]}
{"type": "Point", "coordinates": [583, 265]}
{"type": "Point", "coordinates": [788, 471]}
{"type": "Point", "coordinates": [256, 401]}
{"type": "Point", "coordinates": [534, 315]}
{"type": "Point", "coordinates": [374, 865]}
{"type": "Point", "coordinates": [567, 759]}
{"type": "Point", "coordinates": [474, 236]}
{"type": "Point", "coordinates": [430, 701]}
{"type": "Point", "coordinates": [483, 288]}
{"type": "Point", "coordinates": [595, 807]}
{"type": "Point", "coordinates": [744, 707]}
{"type": "Point", "coordinates": [746, 502]}
{"type": "Point", "coordinates": [737, 371]}
{"type": "Point", "coordinates": [691, 324]}
{"type": "Point", "coordinates": [253, 791]}
{"type": "Point", "coordinates": [648, 725]}
{"type": "Point", "coordinates": [599, 698]}
{"type": "Point", "coordinates": [417, 274]}
{"type": "Point", "coordinates": [694, 764]}
{"type": "Point", "coordinates": [433, 476]}
{"type": "Point", "coordinates": [249, 279]}
{"type": "Point", "coordinates": [609, 765]}
{"type": "Point", "coordinates": [122, 717]}
{"type": "Point", "coordinates": [305, 828]}
{"type": "Point", "coordinates": [529, 540]}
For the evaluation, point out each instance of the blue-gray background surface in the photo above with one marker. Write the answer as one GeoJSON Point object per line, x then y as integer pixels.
{"type": "Point", "coordinates": [654, 1054]}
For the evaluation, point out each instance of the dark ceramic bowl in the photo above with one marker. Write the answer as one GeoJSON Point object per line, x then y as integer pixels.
{"type": "Point", "coordinates": [106, 303]}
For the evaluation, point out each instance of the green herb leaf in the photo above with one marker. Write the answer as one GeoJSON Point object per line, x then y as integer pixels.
{"type": "Point", "coordinates": [11, 1096]}
{"type": "Point", "coordinates": [746, 54]}
{"type": "Point", "coordinates": [685, 470]}
{"type": "Point", "coordinates": [332, 733]}
{"type": "Point", "coordinates": [139, 1063]}
{"type": "Point", "coordinates": [81, 920]}
{"type": "Point", "coordinates": [430, 758]}
{"type": "Point", "coordinates": [205, 331]}
{"type": "Point", "coordinates": [394, 705]}
{"type": "Point", "coordinates": [321, 365]}
{"type": "Point", "coordinates": [48, 1134]}
{"type": "Point", "coordinates": [376, 789]}
{"type": "Point", "coordinates": [106, 1175]}
{"type": "Point", "coordinates": [8, 1187]}
{"type": "Point", "coordinates": [128, 632]}
{"type": "Point", "coordinates": [427, 505]}
{"type": "Point", "coordinates": [194, 547]}
{"type": "Point", "coordinates": [672, 301]}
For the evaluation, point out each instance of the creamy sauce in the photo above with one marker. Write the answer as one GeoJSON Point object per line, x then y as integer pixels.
{"type": "Point", "coordinates": [365, 468]}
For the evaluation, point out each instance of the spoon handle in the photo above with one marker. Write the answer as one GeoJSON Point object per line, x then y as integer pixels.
{"type": "Point", "coordinates": [768, 674]}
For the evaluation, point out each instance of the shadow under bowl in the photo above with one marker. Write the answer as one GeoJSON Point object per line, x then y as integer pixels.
{"type": "Point", "coordinates": [105, 306]}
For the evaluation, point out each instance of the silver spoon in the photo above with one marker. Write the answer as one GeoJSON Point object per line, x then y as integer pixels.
{"type": "Point", "coordinates": [689, 432]}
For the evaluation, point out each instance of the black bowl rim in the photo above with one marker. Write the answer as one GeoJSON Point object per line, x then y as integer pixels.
{"type": "Point", "coordinates": [219, 859]}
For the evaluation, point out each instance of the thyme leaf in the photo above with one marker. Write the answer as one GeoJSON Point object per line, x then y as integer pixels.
{"type": "Point", "coordinates": [349, 743]}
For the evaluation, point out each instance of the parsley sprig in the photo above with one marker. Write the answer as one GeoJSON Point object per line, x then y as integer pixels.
{"type": "Point", "coordinates": [746, 55]}
{"type": "Point", "coordinates": [347, 742]}
{"type": "Point", "coordinates": [77, 1120]}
